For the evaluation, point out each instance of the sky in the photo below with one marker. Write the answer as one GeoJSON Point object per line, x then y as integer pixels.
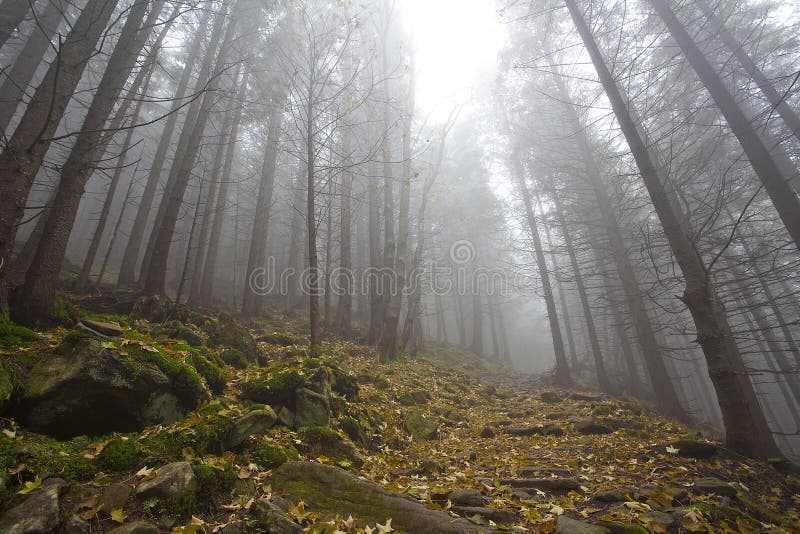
{"type": "Point", "coordinates": [457, 43]}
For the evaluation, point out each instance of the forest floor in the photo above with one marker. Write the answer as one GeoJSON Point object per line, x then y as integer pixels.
{"type": "Point", "coordinates": [449, 431]}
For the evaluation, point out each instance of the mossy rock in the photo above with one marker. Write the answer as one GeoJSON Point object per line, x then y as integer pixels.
{"type": "Point", "coordinates": [235, 358]}
{"type": "Point", "coordinates": [282, 339]}
{"type": "Point", "coordinates": [623, 528]}
{"type": "Point", "coordinates": [694, 448]}
{"type": "Point", "coordinates": [268, 455]}
{"type": "Point", "coordinates": [45, 455]}
{"type": "Point", "coordinates": [324, 441]}
{"type": "Point", "coordinates": [13, 336]}
{"type": "Point", "coordinates": [215, 482]}
{"type": "Point", "coordinates": [354, 430]}
{"type": "Point", "coordinates": [419, 426]}
{"type": "Point", "coordinates": [225, 331]}
{"type": "Point", "coordinates": [603, 409]}
{"type": "Point", "coordinates": [276, 390]}
{"type": "Point", "coordinates": [216, 378]}
{"type": "Point", "coordinates": [119, 455]}
{"type": "Point", "coordinates": [550, 397]}
{"type": "Point", "coordinates": [7, 386]}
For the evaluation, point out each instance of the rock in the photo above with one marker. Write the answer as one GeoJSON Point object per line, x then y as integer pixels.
{"type": "Point", "coordinates": [552, 430]}
{"type": "Point", "coordinates": [550, 397]}
{"type": "Point", "coordinates": [492, 514]}
{"type": "Point", "coordinates": [320, 381]}
{"type": "Point", "coordinates": [668, 521]}
{"type": "Point", "coordinates": [487, 432]}
{"type": "Point", "coordinates": [105, 328]}
{"type": "Point", "coordinates": [586, 397]}
{"type": "Point", "coordinates": [38, 513]}
{"type": "Point", "coordinates": [137, 527]}
{"type": "Point", "coordinates": [83, 388]}
{"type": "Point", "coordinates": [565, 525]}
{"type": "Point", "coordinates": [692, 448]}
{"type": "Point", "coordinates": [593, 427]}
{"type": "Point", "coordinates": [75, 524]}
{"type": "Point", "coordinates": [286, 417]}
{"type": "Point", "coordinates": [324, 441]}
{"type": "Point", "coordinates": [227, 332]}
{"type": "Point", "coordinates": [532, 472]}
{"type": "Point", "coordinates": [332, 490]}
{"type": "Point", "coordinates": [623, 528]}
{"type": "Point", "coordinates": [252, 423]}
{"type": "Point", "coordinates": [419, 426]}
{"type": "Point", "coordinates": [467, 455]}
{"type": "Point", "coordinates": [431, 467]}
{"type": "Point", "coordinates": [270, 518]}
{"type": "Point", "coordinates": [466, 497]}
{"type": "Point", "coordinates": [114, 497]}
{"type": "Point", "coordinates": [175, 481]}
{"type": "Point", "coordinates": [354, 430]}
{"type": "Point", "coordinates": [663, 494]}
{"type": "Point", "coordinates": [345, 385]}
{"type": "Point", "coordinates": [613, 495]}
{"type": "Point", "coordinates": [158, 310]}
{"type": "Point", "coordinates": [544, 484]}
{"type": "Point", "coordinates": [312, 409]}
{"type": "Point", "coordinates": [714, 485]}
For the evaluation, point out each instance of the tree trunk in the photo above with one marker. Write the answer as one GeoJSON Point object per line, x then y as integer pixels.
{"type": "Point", "coordinates": [130, 258]}
{"type": "Point", "coordinates": [25, 151]}
{"type": "Point", "coordinates": [745, 424]}
{"type": "Point", "coordinates": [114, 234]}
{"type": "Point", "coordinates": [37, 294]}
{"type": "Point", "coordinates": [12, 13]}
{"type": "Point", "coordinates": [311, 230]}
{"type": "Point", "coordinates": [773, 179]}
{"type": "Point", "coordinates": [375, 308]}
{"type": "Point", "coordinates": [295, 239]}
{"type": "Point", "coordinates": [210, 266]}
{"type": "Point", "coordinates": [252, 302]}
{"type": "Point", "coordinates": [154, 274]}
{"type": "Point", "coordinates": [344, 309]}
{"type": "Point", "coordinates": [19, 76]}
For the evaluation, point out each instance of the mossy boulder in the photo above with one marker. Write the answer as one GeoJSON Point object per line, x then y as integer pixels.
{"type": "Point", "coordinates": [419, 426]}
{"type": "Point", "coordinates": [276, 389]}
{"type": "Point", "coordinates": [216, 378]}
{"type": "Point", "coordinates": [253, 423]}
{"type": "Point", "coordinates": [157, 309]}
{"type": "Point", "coordinates": [281, 339]}
{"type": "Point", "coordinates": [119, 455]}
{"type": "Point", "coordinates": [235, 358]}
{"type": "Point", "coordinates": [311, 409]}
{"type": "Point", "coordinates": [268, 455]}
{"type": "Point", "coordinates": [13, 336]}
{"type": "Point", "coordinates": [324, 441]}
{"type": "Point", "coordinates": [331, 490]}
{"type": "Point", "coordinates": [86, 386]}
{"type": "Point", "coordinates": [593, 427]}
{"type": "Point", "coordinates": [354, 430]}
{"type": "Point", "coordinates": [225, 331]}
{"type": "Point", "coordinates": [214, 482]}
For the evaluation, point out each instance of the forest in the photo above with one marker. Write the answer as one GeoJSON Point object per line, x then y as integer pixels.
{"type": "Point", "coordinates": [372, 266]}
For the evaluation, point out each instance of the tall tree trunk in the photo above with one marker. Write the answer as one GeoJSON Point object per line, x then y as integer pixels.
{"type": "Point", "coordinates": [562, 375]}
{"type": "Point", "coordinates": [344, 309]}
{"type": "Point", "coordinates": [37, 294]}
{"type": "Point", "coordinates": [130, 258]}
{"type": "Point", "coordinates": [375, 264]}
{"type": "Point", "coordinates": [295, 239]}
{"type": "Point", "coordinates": [25, 151]}
{"type": "Point", "coordinates": [210, 266]}
{"type": "Point", "coordinates": [154, 274]}
{"type": "Point", "coordinates": [326, 317]}
{"type": "Point", "coordinates": [12, 13]}
{"type": "Point", "coordinates": [663, 386]}
{"type": "Point", "coordinates": [773, 179]}
{"type": "Point", "coordinates": [115, 233]}
{"type": "Point", "coordinates": [252, 302]}
{"type": "Point", "coordinates": [476, 345]}
{"type": "Point", "coordinates": [747, 431]}
{"type": "Point", "coordinates": [19, 76]}
{"type": "Point", "coordinates": [311, 229]}
{"type": "Point", "coordinates": [187, 258]}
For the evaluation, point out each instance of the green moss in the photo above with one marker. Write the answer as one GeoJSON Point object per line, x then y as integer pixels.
{"type": "Point", "coordinates": [216, 378]}
{"type": "Point", "coordinates": [603, 409]}
{"type": "Point", "coordinates": [45, 455]}
{"type": "Point", "coordinates": [276, 389]}
{"type": "Point", "coordinates": [214, 480]}
{"type": "Point", "coordinates": [268, 455]}
{"type": "Point", "coordinates": [119, 455]}
{"type": "Point", "coordinates": [234, 358]}
{"type": "Point", "coordinates": [282, 339]}
{"type": "Point", "coordinates": [324, 441]}
{"type": "Point", "coordinates": [354, 430]}
{"type": "Point", "coordinates": [13, 336]}
{"type": "Point", "coordinates": [186, 383]}
{"type": "Point", "coordinates": [62, 312]}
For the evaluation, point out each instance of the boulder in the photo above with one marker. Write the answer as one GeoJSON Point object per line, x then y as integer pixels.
{"type": "Point", "coordinates": [324, 441]}
{"type": "Point", "coordinates": [334, 491]}
{"type": "Point", "coordinates": [268, 517]}
{"type": "Point", "coordinates": [613, 495]}
{"type": "Point", "coordinates": [227, 332]}
{"type": "Point", "coordinates": [106, 328]}
{"type": "Point", "coordinates": [487, 432]}
{"type": "Point", "coordinates": [82, 387]}
{"type": "Point", "coordinates": [466, 497]}
{"type": "Point", "coordinates": [38, 513]}
{"type": "Point", "coordinates": [252, 423]}
{"type": "Point", "coordinates": [114, 497]}
{"type": "Point", "coordinates": [419, 426]}
{"type": "Point", "coordinates": [714, 485]}
{"type": "Point", "coordinates": [286, 417]}
{"type": "Point", "coordinates": [550, 397]}
{"type": "Point", "coordinates": [172, 482]}
{"type": "Point", "coordinates": [565, 525]}
{"type": "Point", "coordinates": [593, 427]}
{"type": "Point", "coordinates": [692, 448]}
{"type": "Point", "coordinates": [311, 409]}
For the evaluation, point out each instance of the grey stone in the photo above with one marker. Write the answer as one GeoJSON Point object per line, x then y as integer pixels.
{"type": "Point", "coordinates": [38, 513]}
{"type": "Point", "coordinates": [613, 495]}
{"type": "Point", "coordinates": [714, 485]}
{"type": "Point", "coordinates": [172, 481]}
{"type": "Point", "coordinates": [75, 524]}
{"type": "Point", "coordinates": [311, 409]}
{"type": "Point", "coordinates": [328, 489]}
{"type": "Point", "coordinates": [566, 525]}
{"type": "Point", "coordinates": [272, 519]}
{"type": "Point", "coordinates": [286, 416]}
{"type": "Point", "coordinates": [114, 497]}
{"type": "Point", "coordinates": [487, 432]}
{"type": "Point", "coordinates": [137, 527]}
{"type": "Point", "coordinates": [593, 427]}
{"type": "Point", "coordinates": [466, 497]}
{"type": "Point", "coordinates": [105, 328]}
{"type": "Point", "coordinates": [418, 425]}
{"type": "Point", "coordinates": [250, 424]}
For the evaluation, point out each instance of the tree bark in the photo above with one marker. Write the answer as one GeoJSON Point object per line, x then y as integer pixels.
{"type": "Point", "coordinates": [12, 13]}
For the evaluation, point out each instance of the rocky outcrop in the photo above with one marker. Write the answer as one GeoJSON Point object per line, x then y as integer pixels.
{"type": "Point", "coordinates": [84, 387]}
{"type": "Point", "coordinates": [332, 490]}
{"type": "Point", "coordinates": [38, 513]}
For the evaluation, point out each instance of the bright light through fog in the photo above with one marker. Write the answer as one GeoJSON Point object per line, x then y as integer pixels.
{"type": "Point", "coordinates": [457, 43]}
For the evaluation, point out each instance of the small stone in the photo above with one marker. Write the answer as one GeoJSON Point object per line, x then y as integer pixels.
{"type": "Point", "coordinates": [649, 491]}
{"type": "Point", "coordinates": [550, 397]}
{"type": "Point", "coordinates": [492, 514]}
{"type": "Point", "coordinates": [38, 513]}
{"type": "Point", "coordinates": [270, 518]}
{"type": "Point", "coordinates": [419, 426]}
{"type": "Point", "coordinates": [466, 497]}
{"type": "Point", "coordinates": [593, 427]}
{"type": "Point", "coordinates": [468, 455]}
{"type": "Point", "coordinates": [312, 409]}
{"type": "Point", "coordinates": [487, 432]}
{"type": "Point", "coordinates": [114, 497]}
{"type": "Point", "coordinates": [431, 466]}
{"type": "Point", "coordinates": [173, 481]}
{"type": "Point", "coordinates": [613, 495]}
{"type": "Point", "coordinates": [714, 485]}
{"type": "Point", "coordinates": [586, 397]}
{"type": "Point", "coordinates": [137, 527]}
{"type": "Point", "coordinates": [254, 422]}
{"type": "Point", "coordinates": [565, 525]}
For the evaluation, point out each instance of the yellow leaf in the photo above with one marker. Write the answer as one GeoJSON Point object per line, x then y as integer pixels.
{"type": "Point", "coordinates": [30, 486]}
{"type": "Point", "coordinates": [118, 515]}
